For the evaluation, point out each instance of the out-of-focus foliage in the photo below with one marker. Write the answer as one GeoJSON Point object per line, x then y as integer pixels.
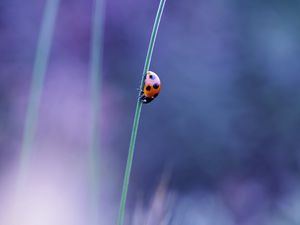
{"type": "Point", "coordinates": [226, 123]}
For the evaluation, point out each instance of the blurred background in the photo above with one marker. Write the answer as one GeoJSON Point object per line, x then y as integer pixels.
{"type": "Point", "coordinates": [220, 145]}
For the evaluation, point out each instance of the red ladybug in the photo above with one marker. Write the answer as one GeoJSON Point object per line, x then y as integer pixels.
{"type": "Point", "coordinates": [151, 87]}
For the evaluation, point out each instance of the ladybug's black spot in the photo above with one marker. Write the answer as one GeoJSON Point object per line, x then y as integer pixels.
{"type": "Point", "coordinates": [148, 88]}
{"type": "Point", "coordinates": [152, 77]}
{"type": "Point", "coordinates": [155, 95]}
{"type": "Point", "coordinates": [156, 85]}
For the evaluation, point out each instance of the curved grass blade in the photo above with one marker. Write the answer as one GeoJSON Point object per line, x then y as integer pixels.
{"type": "Point", "coordinates": [137, 114]}
{"type": "Point", "coordinates": [37, 84]}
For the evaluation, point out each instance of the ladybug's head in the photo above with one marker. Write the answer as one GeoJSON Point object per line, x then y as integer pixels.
{"type": "Point", "coordinates": [145, 99]}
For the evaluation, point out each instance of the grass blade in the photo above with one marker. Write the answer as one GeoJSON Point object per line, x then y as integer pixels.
{"type": "Point", "coordinates": [95, 86]}
{"type": "Point", "coordinates": [137, 114]}
{"type": "Point", "coordinates": [37, 83]}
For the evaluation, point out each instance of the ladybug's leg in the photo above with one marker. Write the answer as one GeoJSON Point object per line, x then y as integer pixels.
{"type": "Point", "coordinates": [141, 91]}
{"type": "Point", "coordinates": [142, 98]}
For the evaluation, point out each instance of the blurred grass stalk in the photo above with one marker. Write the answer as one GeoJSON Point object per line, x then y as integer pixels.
{"type": "Point", "coordinates": [37, 84]}
{"type": "Point", "coordinates": [96, 51]}
{"type": "Point", "coordinates": [137, 114]}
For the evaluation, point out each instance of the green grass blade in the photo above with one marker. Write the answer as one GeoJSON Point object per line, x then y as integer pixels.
{"type": "Point", "coordinates": [37, 83]}
{"type": "Point", "coordinates": [137, 114]}
{"type": "Point", "coordinates": [95, 87]}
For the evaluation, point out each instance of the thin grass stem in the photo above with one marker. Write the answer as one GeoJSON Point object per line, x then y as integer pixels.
{"type": "Point", "coordinates": [137, 115]}
{"type": "Point", "coordinates": [37, 83]}
{"type": "Point", "coordinates": [95, 87]}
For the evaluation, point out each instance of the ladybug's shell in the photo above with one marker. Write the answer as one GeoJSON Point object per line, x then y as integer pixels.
{"type": "Point", "coordinates": [151, 85]}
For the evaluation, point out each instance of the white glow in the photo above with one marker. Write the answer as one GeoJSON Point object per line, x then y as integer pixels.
{"type": "Point", "coordinates": [41, 203]}
{"type": "Point", "coordinates": [54, 193]}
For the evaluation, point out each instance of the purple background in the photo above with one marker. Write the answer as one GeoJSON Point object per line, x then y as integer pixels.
{"type": "Point", "coordinates": [220, 145]}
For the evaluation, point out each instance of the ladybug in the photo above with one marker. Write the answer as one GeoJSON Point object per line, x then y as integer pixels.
{"type": "Point", "coordinates": [151, 87]}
